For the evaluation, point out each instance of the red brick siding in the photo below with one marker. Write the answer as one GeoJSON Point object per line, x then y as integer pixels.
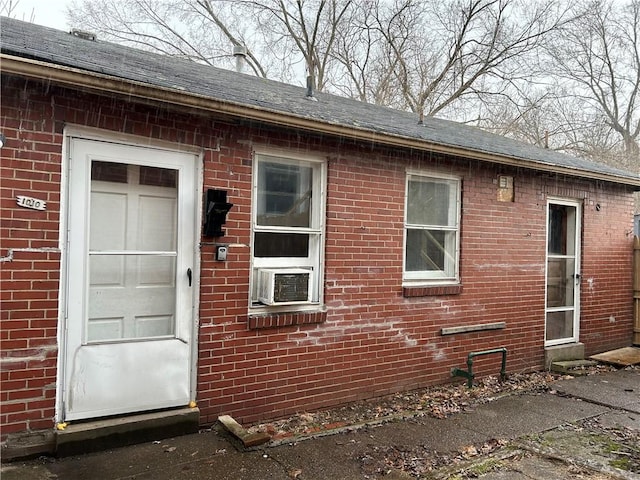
{"type": "Point", "coordinates": [607, 294]}
{"type": "Point", "coordinates": [30, 270]}
{"type": "Point", "coordinates": [374, 338]}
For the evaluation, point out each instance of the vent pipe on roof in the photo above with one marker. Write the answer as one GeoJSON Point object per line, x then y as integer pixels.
{"type": "Point", "coordinates": [311, 81]}
{"type": "Point", "coordinates": [83, 34]}
{"type": "Point", "coordinates": [309, 86]}
{"type": "Point", "coordinates": [310, 94]}
{"type": "Point", "coordinates": [240, 52]}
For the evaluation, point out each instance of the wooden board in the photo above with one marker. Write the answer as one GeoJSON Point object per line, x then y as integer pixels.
{"type": "Point", "coordinates": [621, 357]}
{"type": "Point", "coordinates": [636, 291]}
{"type": "Point", "coordinates": [248, 439]}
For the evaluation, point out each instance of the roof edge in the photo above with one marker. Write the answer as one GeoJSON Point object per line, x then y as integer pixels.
{"type": "Point", "coordinates": [69, 76]}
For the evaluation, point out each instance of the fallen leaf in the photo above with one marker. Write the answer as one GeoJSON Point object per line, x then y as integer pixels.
{"type": "Point", "coordinates": [306, 417]}
{"type": "Point", "coordinates": [469, 451]}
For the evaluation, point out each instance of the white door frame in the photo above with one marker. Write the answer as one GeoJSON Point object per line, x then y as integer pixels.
{"type": "Point", "coordinates": [575, 277]}
{"type": "Point", "coordinates": [88, 133]}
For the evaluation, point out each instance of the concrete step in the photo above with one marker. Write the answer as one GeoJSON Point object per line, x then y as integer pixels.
{"type": "Point", "coordinates": [573, 367]}
{"type": "Point", "coordinates": [24, 445]}
{"type": "Point", "coordinates": [563, 353]}
{"type": "Point", "coordinates": [115, 432]}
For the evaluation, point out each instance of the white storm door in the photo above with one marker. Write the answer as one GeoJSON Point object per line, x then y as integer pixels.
{"type": "Point", "coordinates": [131, 221]}
{"type": "Point", "coordinates": [563, 272]}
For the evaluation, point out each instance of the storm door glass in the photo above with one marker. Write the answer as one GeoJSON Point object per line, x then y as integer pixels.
{"type": "Point", "coordinates": [563, 279]}
{"type": "Point", "coordinates": [132, 252]}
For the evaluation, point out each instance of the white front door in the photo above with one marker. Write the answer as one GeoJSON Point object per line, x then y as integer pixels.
{"type": "Point", "coordinates": [563, 272]}
{"type": "Point", "coordinates": [129, 279]}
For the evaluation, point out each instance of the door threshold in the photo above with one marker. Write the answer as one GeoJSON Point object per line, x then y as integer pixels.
{"type": "Point", "coordinates": [113, 432]}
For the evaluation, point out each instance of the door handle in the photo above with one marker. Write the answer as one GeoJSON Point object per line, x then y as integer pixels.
{"type": "Point", "coordinates": [189, 275]}
{"type": "Point", "coordinates": [578, 278]}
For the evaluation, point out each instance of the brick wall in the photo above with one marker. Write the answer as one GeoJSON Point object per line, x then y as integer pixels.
{"type": "Point", "coordinates": [373, 339]}
{"type": "Point", "coordinates": [30, 269]}
{"type": "Point", "coordinates": [607, 294]}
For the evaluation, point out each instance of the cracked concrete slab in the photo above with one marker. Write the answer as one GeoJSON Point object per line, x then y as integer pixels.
{"type": "Point", "coordinates": [619, 389]}
{"type": "Point", "coordinates": [402, 448]}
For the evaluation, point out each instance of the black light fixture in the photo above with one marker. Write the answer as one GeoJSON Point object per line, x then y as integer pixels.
{"type": "Point", "coordinates": [216, 208]}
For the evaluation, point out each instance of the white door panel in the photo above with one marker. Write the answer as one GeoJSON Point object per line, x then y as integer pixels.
{"type": "Point", "coordinates": [103, 379]}
{"type": "Point", "coordinates": [130, 305]}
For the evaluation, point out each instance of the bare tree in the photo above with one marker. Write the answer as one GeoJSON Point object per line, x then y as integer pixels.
{"type": "Point", "coordinates": [278, 34]}
{"type": "Point", "coordinates": [410, 54]}
{"type": "Point", "coordinates": [208, 12]}
{"type": "Point", "coordinates": [8, 9]}
{"type": "Point", "coordinates": [584, 98]}
{"type": "Point", "coordinates": [364, 67]}
{"type": "Point", "coordinates": [558, 74]}
{"type": "Point", "coordinates": [189, 28]}
{"type": "Point", "coordinates": [442, 52]}
{"type": "Point", "coordinates": [597, 58]}
{"type": "Point", "coordinates": [553, 119]}
{"type": "Point", "coordinates": [309, 28]}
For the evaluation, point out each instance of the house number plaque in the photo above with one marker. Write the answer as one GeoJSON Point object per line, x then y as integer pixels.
{"type": "Point", "coordinates": [30, 202]}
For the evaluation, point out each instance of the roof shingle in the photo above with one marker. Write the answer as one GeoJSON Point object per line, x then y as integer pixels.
{"type": "Point", "coordinates": [30, 41]}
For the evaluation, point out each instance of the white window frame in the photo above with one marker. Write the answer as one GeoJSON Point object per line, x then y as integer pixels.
{"type": "Point", "coordinates": [433, 277]}
{"type": "Point", "coordinates": [316, 231]}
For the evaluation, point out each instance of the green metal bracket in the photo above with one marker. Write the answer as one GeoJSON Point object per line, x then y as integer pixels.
{"type": "Point", "coordinates": [469, 375]}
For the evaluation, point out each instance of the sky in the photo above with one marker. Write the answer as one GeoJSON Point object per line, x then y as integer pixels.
{"type": "Point", "coordinates": [51, 13]}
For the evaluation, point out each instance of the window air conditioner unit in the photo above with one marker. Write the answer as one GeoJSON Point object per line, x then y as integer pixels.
{"type": "Point", "coordinates": [282, 286]}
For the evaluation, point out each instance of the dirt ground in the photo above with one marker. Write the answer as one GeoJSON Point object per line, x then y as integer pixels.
{"type": "Point", "coordinates": [394, 438]}
{"type": "Point", "coordinates": [612, 451]}
{"type": "Point", "coordinates": [438, 401]}
{"type": "Point", "coordinates": [584, 450]}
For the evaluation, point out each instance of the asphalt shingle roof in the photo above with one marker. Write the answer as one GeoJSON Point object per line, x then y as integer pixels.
{"type": "Point", "coordinates": [27, 40]}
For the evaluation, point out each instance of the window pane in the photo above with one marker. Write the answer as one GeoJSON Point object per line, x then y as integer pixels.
{"type": "Point", "coordinates": [158, 177]}
{"type": "Point", "coordinates": [281, 244]}
{"type": "Point", "coordinates": [114, 226]}
{"type": "Point", "coordinates": [557, 230]}
{"type": "Point", "coordinates": [560, 282]}
{"type": "Point", "coordinates": [284, 195]}
{"type": "Point", "coordinates": [109, 172]}
{"type": "Point", "coordinates": [430, 202]}
{"type": "Point", "coordinates": [562, 220]}
{"type": "Point", "coordinates": [430, 250]}
{"type": "Point", "coordinates": [559, 325]}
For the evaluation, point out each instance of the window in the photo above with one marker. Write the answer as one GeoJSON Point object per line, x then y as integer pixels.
{"type": "Point", "coordinates": [431, 229]}
{"type": "Point", "coordinates": [288, 223]}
